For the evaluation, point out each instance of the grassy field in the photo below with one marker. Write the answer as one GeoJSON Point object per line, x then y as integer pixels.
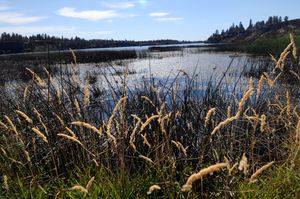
{"type": "Point", "coordinates": [65, 141]}
{"type": "Point", "coordinates": [268, 46]}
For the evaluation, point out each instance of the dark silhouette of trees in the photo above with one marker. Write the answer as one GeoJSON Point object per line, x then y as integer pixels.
{"type": "Point", "coordinates": [16, 43]}
{"type": "Point", "coordinates": [239, 31]}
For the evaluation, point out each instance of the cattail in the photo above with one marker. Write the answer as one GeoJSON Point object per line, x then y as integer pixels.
{"type": "Point", "coordinates": [146, 158]}
{"type": "Point", "coordinates": [71, 133]}
{"type": "Point", "coordinates": [147, 122]}
{"type": "Point", "coordinates": [80, 189]}
{"type": "Point", "coordinates": [22, 114]}
{"type": "Point", "coordinates": [88, 126]}
{"type": "Point", "coordinates": [254, 176]}
{"type": "Point", "coordinates": [89, 184]}
{"type": "Point", "coordinates": [70, 138]}
{"type": "Point", "coordinates": [3, 125]}
{"type": "Point", "coordinates": [243, 165]}
{"type": "Point", "coordinates": [209, 113]}
{"type": "Point", "coordinates": [294, 46]}
{"type": "Point", "coordinates": [5, 182]}
{"type": "Point", "coordinates": [153, 188]}
{"type": "Point", "coordinates": [86, 98]}
{"type": "Point", "coordinates": [11, 124]}
{"type": "Point", "coordinates": [148, 100]}
{"type": "Point", "coordinates": [204, 172]}
{"type": "Point", "coordinates": [110, 121]}
{"type": "Point", "coordinates": [145, 140]}
{"type": "Point", "coordinates": [263, 123]}
{"type": "Point", "coordinates": [40, 134]}
{"type": "Point", "coordinates": [288, 103]}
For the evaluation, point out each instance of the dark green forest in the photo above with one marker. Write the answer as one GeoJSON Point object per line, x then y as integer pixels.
{"type": "Point", "coordinates": [16, 43]}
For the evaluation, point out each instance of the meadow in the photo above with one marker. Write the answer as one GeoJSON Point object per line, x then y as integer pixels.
{"type": "Point", "coordinates": [60, 139]}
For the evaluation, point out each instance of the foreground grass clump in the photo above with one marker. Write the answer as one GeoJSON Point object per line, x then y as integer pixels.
{"type": "Point", "coordinates": [62, 140]}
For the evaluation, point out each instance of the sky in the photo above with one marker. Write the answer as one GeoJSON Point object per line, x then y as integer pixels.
{"type": "Point", "coordinates": [136, 19]}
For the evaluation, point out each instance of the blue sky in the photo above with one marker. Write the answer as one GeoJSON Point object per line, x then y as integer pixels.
{"type": "Point", "coordinates": [136, 19]}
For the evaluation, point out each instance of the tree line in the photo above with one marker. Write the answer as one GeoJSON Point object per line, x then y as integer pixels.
{"type": "Point", "coordinates": [16, 43]}
{"type": "Point", "coordinates": [240, 30]}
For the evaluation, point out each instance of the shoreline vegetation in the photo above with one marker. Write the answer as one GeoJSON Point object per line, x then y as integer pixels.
{"type": "Point", "coordinates": [68, 141]}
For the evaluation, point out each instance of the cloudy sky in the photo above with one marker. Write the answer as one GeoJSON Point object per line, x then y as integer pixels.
{"type": "Point", "coordinates": [136, 19]}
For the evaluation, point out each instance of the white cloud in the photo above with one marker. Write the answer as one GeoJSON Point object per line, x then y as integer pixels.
{"type": "Point", "coordinates": [16, 18]}
{"type": "Point", "coordinates": [119, 5]}
{"type": "Point", "coordinates": [166, 19]}
{"type": "Point", "coordinates": [159, 14]}
{"type": "Point", "coordinates": [92, 15]}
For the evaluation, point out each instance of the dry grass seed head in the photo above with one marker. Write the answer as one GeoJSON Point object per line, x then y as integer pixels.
{"type": "Point", "coordinates": [70, 138]}
{"type": "Point", "coordinates": [243, 165]}
{"type": "Point", "coordinates": [87, 126]}
{"type": "Point", "coordinates": [202, 173]}
{"type": "Point", "coordinates": [5, 185]}
{"type": "Point", "coordinates": [209, 113]}
{"type": "Point", "coordinates": [254, 176]}
{"type": "Point", "coordinates": [294, 46]}
{"type": "Point", "coordinates": [147, 122]}
{"type": "Point", "coordinates": [23, 115]}
{"type": "Point", "coordinates": [86, 98]}
{"type": "Point", "coordinates": [89, 184]}
{"type": "Point", "coordinates": [40, 134]}
{"type": "Point", "coordinates": [153, 188]}
{"type": "Point", "coordinates": [297, 132]}
{"type": "Point", "coordinates": [111, 119]}
{"type": "Point", "coordinates": [146, 159]}
{"type": "Point", "coordinates": [263, 123]}
{"type": "Point", "coordinates": [11, 124]}
{"type": "Point", "coordinates": [79, 188]}
{"type": "Point", "coordinates": [3, 125]}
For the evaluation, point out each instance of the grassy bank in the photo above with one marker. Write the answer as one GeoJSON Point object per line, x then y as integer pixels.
{"type": "Point", "coordinates": [266, 46]}
{"type": "Point", "coordinates": [150, 141]}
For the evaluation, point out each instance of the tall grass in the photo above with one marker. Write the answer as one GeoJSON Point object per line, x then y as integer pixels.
{"type": "Point", "coordinates": [67, 141]}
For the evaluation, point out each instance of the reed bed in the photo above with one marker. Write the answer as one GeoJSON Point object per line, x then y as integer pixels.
{"type": "Point", "coordinates": [148, 141]}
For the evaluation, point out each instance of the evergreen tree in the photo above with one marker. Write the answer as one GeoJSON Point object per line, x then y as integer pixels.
{"type": "Point", "coordinates": [250, 25]}
{"type": "Point", "coordinates": [286, 18]}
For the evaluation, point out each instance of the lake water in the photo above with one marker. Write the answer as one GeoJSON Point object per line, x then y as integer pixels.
{"type": "Point", "coordinates": [163, 67]}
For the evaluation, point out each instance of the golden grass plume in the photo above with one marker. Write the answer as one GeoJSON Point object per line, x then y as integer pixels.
{"type": "Point", "coordinates": [40, 134]}
{"type": "Point", "coordinates": [202, 173]}
{"type": "Point", "coordinates": [254, 176]}
{"type": "Point", "coordinates": [153, 188]}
